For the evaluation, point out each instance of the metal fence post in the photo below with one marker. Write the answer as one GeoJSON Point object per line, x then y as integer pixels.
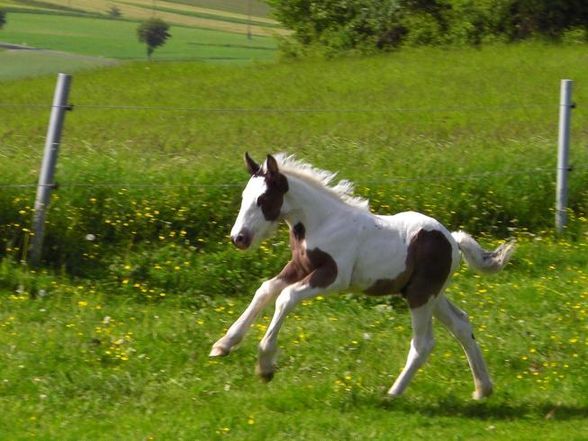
{"type": "Point", "coordinates": [563, 148]}
{"type": "Point", "coordinates": [46, 183]}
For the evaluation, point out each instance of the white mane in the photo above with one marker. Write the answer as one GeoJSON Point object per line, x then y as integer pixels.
{"type": "Point", "coordinates": [343, 189]}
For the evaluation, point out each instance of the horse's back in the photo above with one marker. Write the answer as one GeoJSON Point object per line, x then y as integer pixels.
{"type": "Point", "coordinates": [413, 221]}
{"type": "Point", "coordinates": [385, 248]}
{"type": "Point", "coordinates": [410, 223]}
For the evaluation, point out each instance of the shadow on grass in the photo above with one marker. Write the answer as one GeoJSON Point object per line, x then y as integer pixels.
{"type": "Point", "coordinates": [492, 409]}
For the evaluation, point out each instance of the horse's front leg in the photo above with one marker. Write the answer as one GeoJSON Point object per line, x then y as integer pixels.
{"type": "Point", "coordinates": [286, 301]}
{"type": "Point", "coordinates": [266, 293]}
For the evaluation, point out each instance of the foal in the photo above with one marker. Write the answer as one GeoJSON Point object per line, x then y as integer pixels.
{"type": "Point", "coordinates": [337, 244]}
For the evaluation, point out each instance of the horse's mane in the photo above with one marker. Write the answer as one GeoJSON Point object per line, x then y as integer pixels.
{"type": "Point", "coordinates": [322, 179]}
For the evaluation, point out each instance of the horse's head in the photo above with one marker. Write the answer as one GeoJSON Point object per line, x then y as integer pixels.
{"type": "Point", "coordinates": [261, 204]}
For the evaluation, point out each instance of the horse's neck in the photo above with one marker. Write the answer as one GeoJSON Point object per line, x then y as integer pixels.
{"type": "Point", "coordinates": [312, 206]}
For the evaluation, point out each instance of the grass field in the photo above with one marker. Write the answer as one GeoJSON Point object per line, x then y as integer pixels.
{"type": "Point", "coordinates": [84, 363]}
{"type": "Point", "coordinates": [117, 39]}
{"type": "Point", "coordinates": [227, 16]}
{"type": "Point", "coordinates": [80, 35]}
{"type": "Point", "coordinates": [400, 130]}
{"type": "Point", "coordinates": [139, 278]}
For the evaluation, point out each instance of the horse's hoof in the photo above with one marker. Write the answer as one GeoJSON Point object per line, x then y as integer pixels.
{"type": "Point", "coordinates": [482, 393]}
{"type": "Point", "coordinates": [266, 377]}
{"type": "Point", "coordinates": [218, 351]}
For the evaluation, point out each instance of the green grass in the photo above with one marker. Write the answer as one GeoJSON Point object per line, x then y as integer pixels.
{"type": "Point", "coordinates": [117, 39]}
{"type": "Point", "coordinates": [488, 168]}
{"type": "Point", "coordinates": [86, 362]}
{"type": "Point", "coordinates": [489, 113]}
{"type": "Point", "coordinates": [115, 345]}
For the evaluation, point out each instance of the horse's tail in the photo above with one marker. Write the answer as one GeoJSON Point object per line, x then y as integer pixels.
{"type": "Point", "coordinates": [479, 259]}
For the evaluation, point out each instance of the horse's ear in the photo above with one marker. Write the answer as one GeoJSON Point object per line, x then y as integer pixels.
{"type": "Point", "coordinates": [271, 165]}
{"type": "Point", "coordinates": [252, 166]}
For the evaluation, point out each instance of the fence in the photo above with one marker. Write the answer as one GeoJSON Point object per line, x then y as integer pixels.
{"type": "Point", "coordinates": [60, 106]}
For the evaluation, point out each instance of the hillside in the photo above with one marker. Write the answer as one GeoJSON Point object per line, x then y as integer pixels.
{"type": "Point", "coordinates": [226, 16]}
{"type": "Point", "coordinates": [83, 35]}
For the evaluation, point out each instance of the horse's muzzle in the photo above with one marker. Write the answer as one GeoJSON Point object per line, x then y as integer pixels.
{"type": "Point", "coordinates": [242, 240]}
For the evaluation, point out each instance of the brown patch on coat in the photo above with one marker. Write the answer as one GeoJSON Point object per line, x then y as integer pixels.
{"type": "Point", "coordinates": [428, 263]}
{"type": "Point", "coordinates": [313, 267]}
{"type": "Point", "coordinates": [272, 199]}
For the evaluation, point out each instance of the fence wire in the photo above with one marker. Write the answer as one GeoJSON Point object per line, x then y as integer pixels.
{"type": "Point", "coordinates": [388, 181]}
{"type": "Point", "coordinates": [276, 110]}
{"type": "Point", "coordinates": [486, 108]}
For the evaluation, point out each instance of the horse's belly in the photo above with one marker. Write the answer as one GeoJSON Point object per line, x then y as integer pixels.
{"type": "Point", "coordinates": [381, 268]}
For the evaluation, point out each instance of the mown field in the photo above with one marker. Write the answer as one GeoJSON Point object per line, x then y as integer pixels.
{"type": "Point", "coordinates": [117, 39]}
{"type": "Point", "coordinates": [139, 279]}
{"type": "Point", "coordinates": [81, 35]}
{"type": "Point", "coordinates": [228, 16]}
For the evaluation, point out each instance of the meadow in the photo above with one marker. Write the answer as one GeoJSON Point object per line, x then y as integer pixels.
{"type": "Point", "coordinates": [81, 35]}
{"type": "Point", "coordinates": [86, 360]}
{"type": "Point", "coordinates": [109, 339]}
{"type": "Point", "coordinates": [101, 37]}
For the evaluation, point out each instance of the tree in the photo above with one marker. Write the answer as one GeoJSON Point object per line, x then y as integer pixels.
{"type": "Point", "coordinates": [114, 12]}
{"type": "Point", "coordinates": [154, 33]}
{"type": "Point", "coordinates": [2, 18]}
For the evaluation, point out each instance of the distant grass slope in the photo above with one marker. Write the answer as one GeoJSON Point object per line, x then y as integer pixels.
{"type": "Point", "coordinates": [209, 14]}
{"type": "Point", "coordinates": [233, 20]}
{"type": "Point", "coordinates": [257, 8]}
{"type": "Point", "coordinates": [117, 39]}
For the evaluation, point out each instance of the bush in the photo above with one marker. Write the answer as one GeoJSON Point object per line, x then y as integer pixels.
{"type": "Point", "coordinates": [524, 18]}
{"type": "Point", "coordinates": [368, 25]}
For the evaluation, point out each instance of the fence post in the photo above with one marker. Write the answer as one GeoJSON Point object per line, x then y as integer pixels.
{"type": "Point", "coordinates": [563, 148]}
{"type": "Point", "coordinates": [47, 173]}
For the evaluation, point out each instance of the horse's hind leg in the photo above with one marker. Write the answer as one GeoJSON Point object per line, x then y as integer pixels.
{"type": "Point", "coordinates": [458, 324]}
{"type": "Point", "coordinates": [421, 346]}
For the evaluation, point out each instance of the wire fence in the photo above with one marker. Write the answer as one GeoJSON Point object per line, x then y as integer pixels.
{"type": "Point", "coordinates": [61, 104]}
{"type": "Point", "coordinates": [581, 168]}
{"type": "Point", "coordinates": [278, 110]}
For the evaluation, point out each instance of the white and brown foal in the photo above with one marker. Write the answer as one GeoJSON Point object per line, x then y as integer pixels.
{"type": "Point", "coordinates": [337, 245]}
